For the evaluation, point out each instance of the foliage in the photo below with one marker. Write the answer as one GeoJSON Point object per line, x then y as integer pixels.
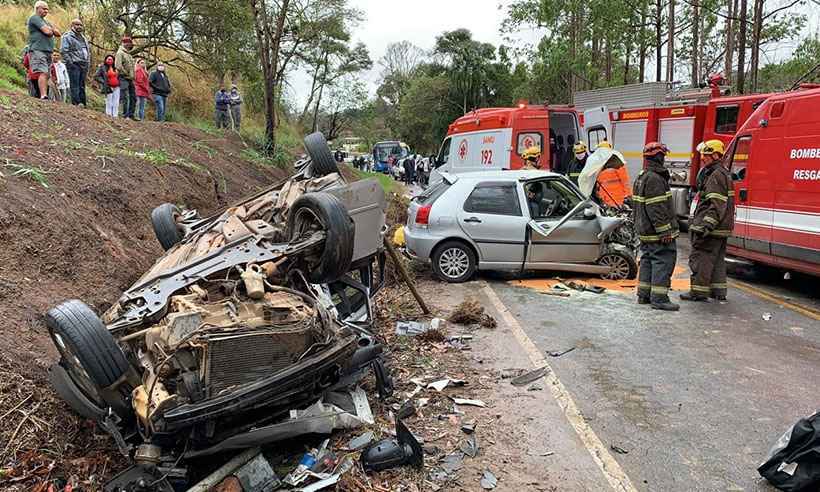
{"type": "Point", "coordinates": [783, 75]}
{"type": "Point", "coordinates": [33, 173]}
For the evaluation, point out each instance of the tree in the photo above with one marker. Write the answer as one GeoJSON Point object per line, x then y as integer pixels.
{"type": "Point", "coordinates": [426, 111]}
{"type": "Point", "coordinates": [347, 97]}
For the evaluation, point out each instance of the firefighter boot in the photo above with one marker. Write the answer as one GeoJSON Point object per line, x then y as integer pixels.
{"type": "Point", "coordinates": [694, 297]}
{"type": "Point", "coordinates": [662, 303]}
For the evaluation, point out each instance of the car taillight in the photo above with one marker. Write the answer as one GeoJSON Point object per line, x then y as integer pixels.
{"type": "Point", "coordinates": [423, 215]}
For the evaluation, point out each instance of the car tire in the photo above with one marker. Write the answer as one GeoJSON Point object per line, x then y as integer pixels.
{"type": "Point", "coordinates": [88, 352]}
{"type": "Point", "coordinates": [454, 262]}
{"type": "Point", "coordinates": [320, 154]}
{"type": "Point", "coordinates": [314, 210]}
{"type": "Point", "coordinates": [70, 393]}
{"type": "Point", "coordinates": [164, 219]}
{"type": "Point", "coordinates": [624, 266]}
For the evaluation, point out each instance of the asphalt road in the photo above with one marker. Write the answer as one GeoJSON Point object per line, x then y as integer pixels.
{"type": "Point", "coordinates": [697, 397]}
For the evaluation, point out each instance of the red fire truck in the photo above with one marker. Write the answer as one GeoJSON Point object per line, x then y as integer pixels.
{"type": "Point", "coordinates": [770, 230]}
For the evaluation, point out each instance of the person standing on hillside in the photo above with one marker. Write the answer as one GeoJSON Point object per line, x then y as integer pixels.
{"type": "Point", "coordinates": [236, 107]}
{"type": "Point", "coordinates": [108, 82]}
{"type": "Point", "coordinates": [222, 105]}
{"type": "Point", "coordinates": [31, 77]}
{"type": "Point", "coordinates": [124, 63]}
{"type": "Point", "coordinates": [77, 57]}
{"type": "Point", "coordinates": [161, 89]}
{"type": "Point", "coordinates": [142, 87]}
{"type": "Point", "coordinates": [58, 80]}
{"type": "Point", "coordinates": [41, 36]}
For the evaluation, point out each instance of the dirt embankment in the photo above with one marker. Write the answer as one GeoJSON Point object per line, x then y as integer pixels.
{"type": "Point", "coordinates": [76, 192]}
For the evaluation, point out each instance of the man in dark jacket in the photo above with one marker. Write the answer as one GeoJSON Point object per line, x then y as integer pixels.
{"type": "Point", "coordinates": [710, 226]}
{"type": "Point", "coordinates": [160, 89]}
{"type": "Point", "coordinates": [576, 165]}
{"type": "Point", "coordinates": [77, 58]}
{"type": "Point", "coordinates": [222, 104]}
{"type": "Point", "coordinates": [657, 227]}
{"type": "Point", "coordinates": [409, 170]}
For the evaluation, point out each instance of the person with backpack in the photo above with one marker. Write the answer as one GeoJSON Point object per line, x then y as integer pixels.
{"type": "Point", "coordinates": [108, 81]}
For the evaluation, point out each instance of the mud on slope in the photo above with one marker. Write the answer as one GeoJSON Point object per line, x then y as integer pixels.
{"type": "Point", "coordinates": [84, 232]}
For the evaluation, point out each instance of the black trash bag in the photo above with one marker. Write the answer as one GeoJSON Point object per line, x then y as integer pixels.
{"type": "Point", "coordinates": [793, 464]}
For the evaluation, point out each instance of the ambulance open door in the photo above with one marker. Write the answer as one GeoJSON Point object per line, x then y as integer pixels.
{"type": "Point", "coordinates": [597, 127]}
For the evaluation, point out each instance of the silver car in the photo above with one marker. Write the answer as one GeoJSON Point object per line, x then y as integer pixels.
{"type": "Point", "coordinates": [515, 221]}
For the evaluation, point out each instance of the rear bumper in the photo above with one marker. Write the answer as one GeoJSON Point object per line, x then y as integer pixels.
{"type": "Point", "coordinates": [420, 243]}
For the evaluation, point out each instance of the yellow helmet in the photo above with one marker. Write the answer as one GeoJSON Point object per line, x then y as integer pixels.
{"type": "Point", "coordinates": [532, 153]}
{"type": "Point", "coordinates": [711, 147]}
{"type": "Point", "coordinates": [604, 145]}
{"type": "Point", "coordinates": [579, 147]}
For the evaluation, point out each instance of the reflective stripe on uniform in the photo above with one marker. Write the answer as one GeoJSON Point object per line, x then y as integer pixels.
{"type": "Point", "coordinates": [719, 286]}
{"type": "Point", "coordinates": [699, 288]}
{"type": "Point", "coordinates": [643, 285]}
{"type": "Point", "coordinates": [654, 199]}
{"type": "Point", "coordinates": [718, 196]}
{"type": "Point", "coordinates": [650, 239]}
{"type": "Point", "coordinates": [659, 289]}
{"type": "Point", "coordinates": [664, 228]}
{"type": "Point", "coordinates": [710, 220]}
{"type": "Point", "coordinates": [721, 233]}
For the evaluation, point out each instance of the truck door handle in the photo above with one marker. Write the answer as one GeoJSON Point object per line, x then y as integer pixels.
{"type": "Point", "coordinates": [473, 219]}
{"type": "Point", "coordinates": [744, 194]}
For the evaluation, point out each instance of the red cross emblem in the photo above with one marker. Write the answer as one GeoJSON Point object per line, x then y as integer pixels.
{"type": "Point", "coordinates": [462, 149]}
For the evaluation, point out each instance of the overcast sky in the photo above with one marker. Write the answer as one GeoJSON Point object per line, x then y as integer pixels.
{"type": "Point", "coordinates": [420, 21]}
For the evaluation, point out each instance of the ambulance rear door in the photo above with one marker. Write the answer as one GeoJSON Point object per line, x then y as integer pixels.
{"type": "Point", "coordinates": [629, 137]}
{"type": "Point", "coordinates": [480, 151]}
{"type": "Point", "coordinates": [597, 126]}
{"type": "Point", "coordinates": [677, 134]}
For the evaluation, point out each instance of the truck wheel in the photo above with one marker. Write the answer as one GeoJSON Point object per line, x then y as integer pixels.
{"type": "Point", "coordinates": [313, 212]}
{"type": "Point", "coordinates": [622, 265]}
{"type": "Point", "coordinates": [319, 152]}
{"type": "Point", "coordinates": [166, 227]}
{"type": "Point", "coordinates": [454, 262]}
{"type": "Point", "coordinates": [89, 354]}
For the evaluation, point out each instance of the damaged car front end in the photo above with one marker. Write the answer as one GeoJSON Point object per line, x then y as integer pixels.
{"type": "Point", "coordinates": [251, 314]}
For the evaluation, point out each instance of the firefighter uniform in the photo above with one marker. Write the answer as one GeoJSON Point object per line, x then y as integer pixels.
{"type": "Point", "coordinates": [576, 165]}
{"type": "Point", "coordinates": [657, 227]}
{"type": "Point", "coordinates": [531, 156]}
{"type": "Point", "coordinates": [710, 226]}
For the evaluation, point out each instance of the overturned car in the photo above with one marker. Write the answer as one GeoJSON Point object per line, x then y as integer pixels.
{"type": "Point", "coordinates": [251, 313]}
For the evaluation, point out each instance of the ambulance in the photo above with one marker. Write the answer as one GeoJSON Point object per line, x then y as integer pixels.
{"type": "Point", "coordinates": [775, 162]}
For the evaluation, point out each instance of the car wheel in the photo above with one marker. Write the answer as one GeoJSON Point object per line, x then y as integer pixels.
{"type": "Point", "coordinates": [320, 154]}
{"type": "Point", "coordinates": [89, 354]}
{"type": "Point", "coordinates": [622, 265]}
{"type": "Point", "coordinates": [454, 262]}
{"type": "Point", "coordinates": [165, 220]}
{"type": "Point", "coordinates": [72, 394]}
{"type": "Point", "coordinates": [313, 212]}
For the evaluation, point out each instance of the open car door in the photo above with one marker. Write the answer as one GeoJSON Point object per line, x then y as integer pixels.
{"type": "Point", "coordinates": [597, 126]}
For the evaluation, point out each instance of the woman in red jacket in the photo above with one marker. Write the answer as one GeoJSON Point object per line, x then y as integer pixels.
{"type": "Point", "coordinates": [143, 88]}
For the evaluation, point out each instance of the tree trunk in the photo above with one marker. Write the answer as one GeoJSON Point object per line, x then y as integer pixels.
{"type": "Point", "coordinates": [627, 56]}
{"type": "Point", "coordinates": [741, 49]}
{"type": "Point", "coordinates": [730, 38]}
{"type": "Point", "coordinates": [315, 126]}
{"type": "Point", "coordinates": [573, 49]}
{"type": "Point", "coordinates": [756, 29]}
{"type": "Point", "coordinates": [608, 59]}
{"type": "Point", "coordinates": [260, 18]}
{"type": "Point", "coordinates": [670, 44]}
{"type": "Point", "coordinates": [695, 43]}
{"type": "Point", "coordinates": [658, 40]}
{"type": "Point", "coordinates": [642, 47]}
{"type": "Point", "coordinates": [309, 102]}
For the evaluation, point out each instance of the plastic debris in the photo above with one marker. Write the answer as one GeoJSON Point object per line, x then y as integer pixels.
{"type": "Point", "coordinates": [767, 316]}
{"type": "Point", "coordinates": [300, 473]}
{"type": "Point", "coordinates": [468, 428]}
{"type": "Point", "coordinates": [441, 384]}
{"type": "Point", "coordinates": [561, 352]}
{"type": "Point", "coordinates": [470, 446]}
{"type": "Point", "coordinates": [529, 377]}
{"type": "Point", "coordinates": [413, 328]}
{"type": "Point", "coordinates": [488, 480]}
{"type": "Point", "coordinates": [405, 449]}
{"type": "Point", "coordinates": [452, 463]}
{"type": "Point", "coordinates": [466, 401]}
{"type": "Point", "coordinates": [618, 449]}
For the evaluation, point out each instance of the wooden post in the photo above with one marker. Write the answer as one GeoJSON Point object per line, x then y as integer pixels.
{"type": "Point", "coordinates": [404, 275]}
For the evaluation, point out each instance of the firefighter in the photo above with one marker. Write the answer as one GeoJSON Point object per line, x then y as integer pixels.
{"type": "Point", "coordinates": [612, 184]}
{"type": "Point", "coordinates": [710, 226]}
{"type": "Point", "coordinates": [531, 156]}
{"type": "Point", "coordinates": [604, 145]}
{"type": "Point", "coordinates": [578, 162]}
{"type": "Point", "coordinates": [657, 227]}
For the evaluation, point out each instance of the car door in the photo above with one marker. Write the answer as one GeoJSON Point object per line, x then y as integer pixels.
{"type": "Point", "coordinates": [563, 232]}
{"type": "Point", "coordinates": [492, 217]}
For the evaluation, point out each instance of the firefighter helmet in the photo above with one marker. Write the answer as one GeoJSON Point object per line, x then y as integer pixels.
{"type": "Point", "coordinates": [532, 154]}
{"type": "Point", "coordinates": [604, 145]}
{"type": "Point", "coordinates": [579, 148]}
{"type": "Point", "coordinates": [655, 148]}
{"type": "Point", "coordinates": [710, 147]}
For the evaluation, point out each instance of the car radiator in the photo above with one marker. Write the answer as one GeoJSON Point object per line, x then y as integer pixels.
{"type": "Point", "coordinates": [235, 359]}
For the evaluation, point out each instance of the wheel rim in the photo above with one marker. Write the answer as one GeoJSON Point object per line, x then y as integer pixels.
{"type": "Point", "coordinates": [76, 370]}
{"type": "Point", "coordinates": [618, 267]}
{"type": "Point", "coordinates": [454, 263]}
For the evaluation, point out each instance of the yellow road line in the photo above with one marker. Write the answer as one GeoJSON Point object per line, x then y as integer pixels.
{"type": "Point", "coordinates": [805, 311]}
{"type": "Point", "coordinates": [610, 468]}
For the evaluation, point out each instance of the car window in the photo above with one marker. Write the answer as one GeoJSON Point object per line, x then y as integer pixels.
{"type": "Point", "coordinates": [595, 136]}
{"type": "Point", "coordinates": [550, 199]}
{"type": "Point", "coordinates": [740, 156]}
{"type": "Point", "coordinates": [726, 119]}
{"type": "Point", "coordinates": [444, 153]}
{"type": "Point", "coordinates": [494, 198]}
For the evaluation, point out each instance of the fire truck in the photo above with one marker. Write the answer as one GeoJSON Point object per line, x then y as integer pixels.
{"type": "Point", "coordinates": [778, 213]}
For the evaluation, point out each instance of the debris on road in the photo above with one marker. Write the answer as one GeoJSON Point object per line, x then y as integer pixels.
{"type": "Point", "coordinates": [405, 449]}
{"type": "Point", "coordinates": [470, 446]}
{"type": "Point", "coordinates": [618, 449]}
{"type": "Point", "coordinates": [767, 316]}
{"type": "Point", "coordinates": [561, 352]}
{"type": "Point", "coordinates": [792, 462]}
{"type": "Point", "coordinates": [414, 328]}
{"type": "Point", "coordinates": [440, 385]}
{"type": "Point", "coordinates": [529, 377]}
{"type": "Point", "coordinates": [361, 441]}
{"type": "Point", "coordinates": [467, 401]}
{"type": "Point", "coordinates": [488, 480]}
{"type": "Point", "coordinates": [471, 312]}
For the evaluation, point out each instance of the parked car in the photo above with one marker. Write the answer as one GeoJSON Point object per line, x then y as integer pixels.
{"type": "Point", "coordinates": [514, 221]}
{"type": "Point", "coordinates": [250, 313]}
